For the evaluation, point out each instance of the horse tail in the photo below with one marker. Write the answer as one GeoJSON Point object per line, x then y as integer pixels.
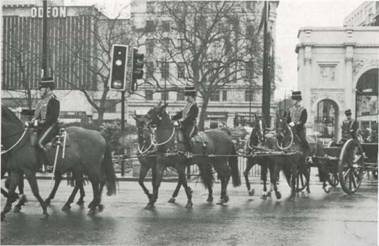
{"type": "Point", "coordinates": [233, 163]}
{"type": "Point", "coordinates": [206, 174]}
{"type": "Point", "coordinates": [110, 176]}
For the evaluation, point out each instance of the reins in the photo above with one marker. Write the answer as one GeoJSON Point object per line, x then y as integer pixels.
{"type": "Point", "coordinates": [164, 142]}
{"type": "Point", "coordinates": [17, 142]}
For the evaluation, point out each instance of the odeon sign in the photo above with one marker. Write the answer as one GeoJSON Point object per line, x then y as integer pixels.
{"type": "Point", "coordinates": [55, 12]}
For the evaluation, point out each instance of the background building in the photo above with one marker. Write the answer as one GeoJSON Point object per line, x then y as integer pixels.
{"type": "Point", "coordinates": [338, 69]}
{"type": "Point", "coordinates": [367, 14]}
{"type": "Point", "coordinates": [156, 24]}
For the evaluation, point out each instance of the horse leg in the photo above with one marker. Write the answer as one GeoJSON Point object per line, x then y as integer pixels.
{"type": "Point", "coordinates": [274, 177]}
{"type": "Point", "coordinates": [12, 196]}
{"type": "Point", "coordinates": [70, 200]}
{"type": "Point", "coordinates": [22, 200]}
{"type": "Point", "coordinates": [80, 182]}
{"type": "Point", "coordinates": [264, 170]}
{"type": "Point", "coordinates": [157, 178]}
{"type": "Point", "coordinates": [93, 204]}
{"type": "Point", "coordinates": [176, 191]}
{"type": "Point", "coordinates": [99, 205]}
{"type": "Point", "coordinates": [183, 181]}
{"type": "Point", "coordinates": [57, 181]}
{"type": "Point", "coordinates": [34, 186]}
{"type": "Point", "coordinates": [224, 172]}
{"type": "Point", "coordinates": [142, 174]}
{"type": "Point", "coordinates": [250, 164]}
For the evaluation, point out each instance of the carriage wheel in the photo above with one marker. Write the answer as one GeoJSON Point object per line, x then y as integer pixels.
{"type": "Point", "coordinates": [284, 140]}
{"type": "Point", "coordinates": [350, 167]}
{"type": "Point", "coordinates": [333, 179]}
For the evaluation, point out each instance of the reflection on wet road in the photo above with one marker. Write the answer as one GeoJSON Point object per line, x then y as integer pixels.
{"type": "Point", "coordinates": [320, 219]}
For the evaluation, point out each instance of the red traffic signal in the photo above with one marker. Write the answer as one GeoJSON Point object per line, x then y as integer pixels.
{"type": "Point", "coordinates": [118, 73]}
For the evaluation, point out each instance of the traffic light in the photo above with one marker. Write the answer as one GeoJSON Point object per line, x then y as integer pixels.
{"type": "Point", "coordinates": [137, 68]}
{"type": "Point", "coordinates": [118, 76]}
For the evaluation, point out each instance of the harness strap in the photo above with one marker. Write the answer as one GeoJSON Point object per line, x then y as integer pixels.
{"type": "Point", "coordinates": [164, 142]}
{"type": "Point", "coordinates": [17, 142]}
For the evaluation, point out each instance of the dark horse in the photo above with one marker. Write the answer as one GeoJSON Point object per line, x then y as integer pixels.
{"type": "Point", "coordinates": [215, 149]}
{"type": "Point", "coordinates": [291, 161]}
{"type": "Point", "coordinates": [147, 157]}
{"type": "Point", "coordinates": [86, 152]}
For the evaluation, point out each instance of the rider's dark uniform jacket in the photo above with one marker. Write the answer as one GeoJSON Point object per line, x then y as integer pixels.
{"type": "Point", "coordinates": [349, 129]}
{"type": "Point", "coordinates": [298, 115]}
{"type": "Point", "coordinates": [188, 118]}
{"type": "Point", "coordinates": [46, 113]}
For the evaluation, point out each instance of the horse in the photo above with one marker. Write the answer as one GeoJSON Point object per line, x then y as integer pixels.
{"type": "Point", "coordinates": [291, 162]}
{"type": "Point", "coordinates": [86, 152]}
{"type": "Point", "coordinates": [21, 196]}
{"type": "Point", "coordinates": [215, 149]}
{"type": "Point", "coordinates": [147, 157]}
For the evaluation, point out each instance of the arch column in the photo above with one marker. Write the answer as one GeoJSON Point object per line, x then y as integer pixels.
{"type": "Point", "coordinates": [349, 90]}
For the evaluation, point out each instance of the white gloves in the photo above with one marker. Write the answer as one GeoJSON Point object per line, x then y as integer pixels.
{"type": "Point", "coordinates": [176, 123]}
{"type": "Point", "coordinates": [291, 124]}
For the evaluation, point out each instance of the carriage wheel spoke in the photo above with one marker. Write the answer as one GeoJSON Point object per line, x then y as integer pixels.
{"type": "Point", "coordinates": [352, 178]}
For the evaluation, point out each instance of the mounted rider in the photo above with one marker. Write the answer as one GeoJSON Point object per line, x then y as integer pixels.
{"type": "Point", "coordinates": [187, 117]}
{"type": "Point", "coordinates": [46, 115]}
{"type": "Point", "coordinates": [349, 127]}
{"type": "Point", "coordinates": [297, 117]}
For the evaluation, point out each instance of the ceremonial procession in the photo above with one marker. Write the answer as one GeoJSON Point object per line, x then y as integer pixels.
{"type": "Point", "coordinates": [264, 112]}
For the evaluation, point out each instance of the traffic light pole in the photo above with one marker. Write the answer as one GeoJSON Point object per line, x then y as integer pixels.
{"type": "Point", "coordinates": [44, 40]}
{"type": "Point", "coordinates": [122, 111]}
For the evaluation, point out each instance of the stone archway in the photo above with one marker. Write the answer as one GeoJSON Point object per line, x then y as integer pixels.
{"type": "Point", "coordinates": [366, 103]}
{"type": "Point", "coordinates": [327, 118]}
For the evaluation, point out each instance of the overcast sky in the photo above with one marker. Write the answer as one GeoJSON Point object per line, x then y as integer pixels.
{"type": "Point", "coordinates": [292, 15]}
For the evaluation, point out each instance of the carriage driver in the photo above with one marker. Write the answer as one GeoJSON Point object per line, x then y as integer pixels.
{"type": "Point", "coordinates": [297, 117]}
{"type": "Point", "coordinates": [187, 117]}
{"type": "Point", "coordinates": [46, 115]}
{"type": "Point", "coordinates": [349, 127]}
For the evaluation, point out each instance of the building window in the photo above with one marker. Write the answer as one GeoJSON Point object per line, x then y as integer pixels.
{"type": "Point", "coordinates": [224, 95]}
{"type": "Point", "coordinates": [180, 96]}
{"type": "Point", "coordinates": [150, 26]}
{"type": "Point", "coordinates": [165, 70]}
{"type": "Point", "coordinates": [148, 95]}
{"type": "Point", "coordinates": [165, 26]}
{"type": "Point", "coordinates": [215, 96]}
{"type": "Point", "coordinates": [149, 69]}
{"type": "Point", "coordinates": [181, 70]}
{"type": "Point", "coordinates": [249, 68]}
{"type": "Point", "coordinates": [149, 46]}
{"type": "Point", "coordinates": [166, 43]}
{"type": "Point", "coordinates": [164, 95]}
{"type": "Point", "coordinates": [249, 95]}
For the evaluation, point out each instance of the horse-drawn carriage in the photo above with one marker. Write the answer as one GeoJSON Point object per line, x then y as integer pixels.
{"type": "Point", "coordinates": [346, 163]}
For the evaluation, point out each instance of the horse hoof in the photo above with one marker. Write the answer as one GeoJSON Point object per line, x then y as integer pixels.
{"type": "Point", "coordinates": [66, 207]}
{"type": "Point", "coordinates": [264, 197]}
{"type": "Point", "coordinates": [326, 189]}
{"type": "Point", "coordinates": [91, 212]}
{"type": "Point", "coordinates": [189, 205]}
{"type": "Point", "coordinates": [17, 209]}
{"type": "Point", "coordinates": [45, 216]}
{"type": "Point", "coordinates": [80, 203]}
{"type": "Point", "coordinates": [278, 195]}
{"type": "Point", "coordinates": [251, 192]}
{"type": "Point", "coordinates": [23, 200]}
{"type": "Point", "coordinates": [172, 200]}
{"type": "Point", "coordinates": [47, 202]}
{"type": "Point", "coordinates": [90, 205]}
{"type": "Point", "coordinates": [2, 217]}
{"type": "Point", "coordinates": [149, 206]}
{"type": "Point", "coordinates": [269, 194]}
{"type": "Point", "coordinates": [101, 207]}
{"type": "Point", "coordinates": [210, 199]}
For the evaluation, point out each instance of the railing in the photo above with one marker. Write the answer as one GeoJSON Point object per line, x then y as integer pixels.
{"type": "Point", "coordinates": [130, 166]}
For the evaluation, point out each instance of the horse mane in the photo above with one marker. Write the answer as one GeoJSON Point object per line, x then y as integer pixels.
{"type": "Point", "coordinates": [6, 113]}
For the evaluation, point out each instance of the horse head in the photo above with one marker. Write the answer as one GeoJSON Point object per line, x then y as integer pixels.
{"type": "Point", "coordinates": [156, 115]}
{"type": "Point", "coordinates": [143, 132]}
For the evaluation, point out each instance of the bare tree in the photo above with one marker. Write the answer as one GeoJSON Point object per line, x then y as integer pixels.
{"type": "Point", "coordinates": [104, 32]}
{"type": "Point", "coordinates": [214, 43]}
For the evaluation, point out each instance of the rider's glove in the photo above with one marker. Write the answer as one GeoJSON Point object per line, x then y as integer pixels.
{"type": "Point", "coordinates": [291, 124]}
{"type": "Point", "coordinates": [176, 123]}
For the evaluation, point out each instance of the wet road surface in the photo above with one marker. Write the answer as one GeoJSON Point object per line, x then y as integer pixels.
{"type": "Point", "coordinates": [320, 219]}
